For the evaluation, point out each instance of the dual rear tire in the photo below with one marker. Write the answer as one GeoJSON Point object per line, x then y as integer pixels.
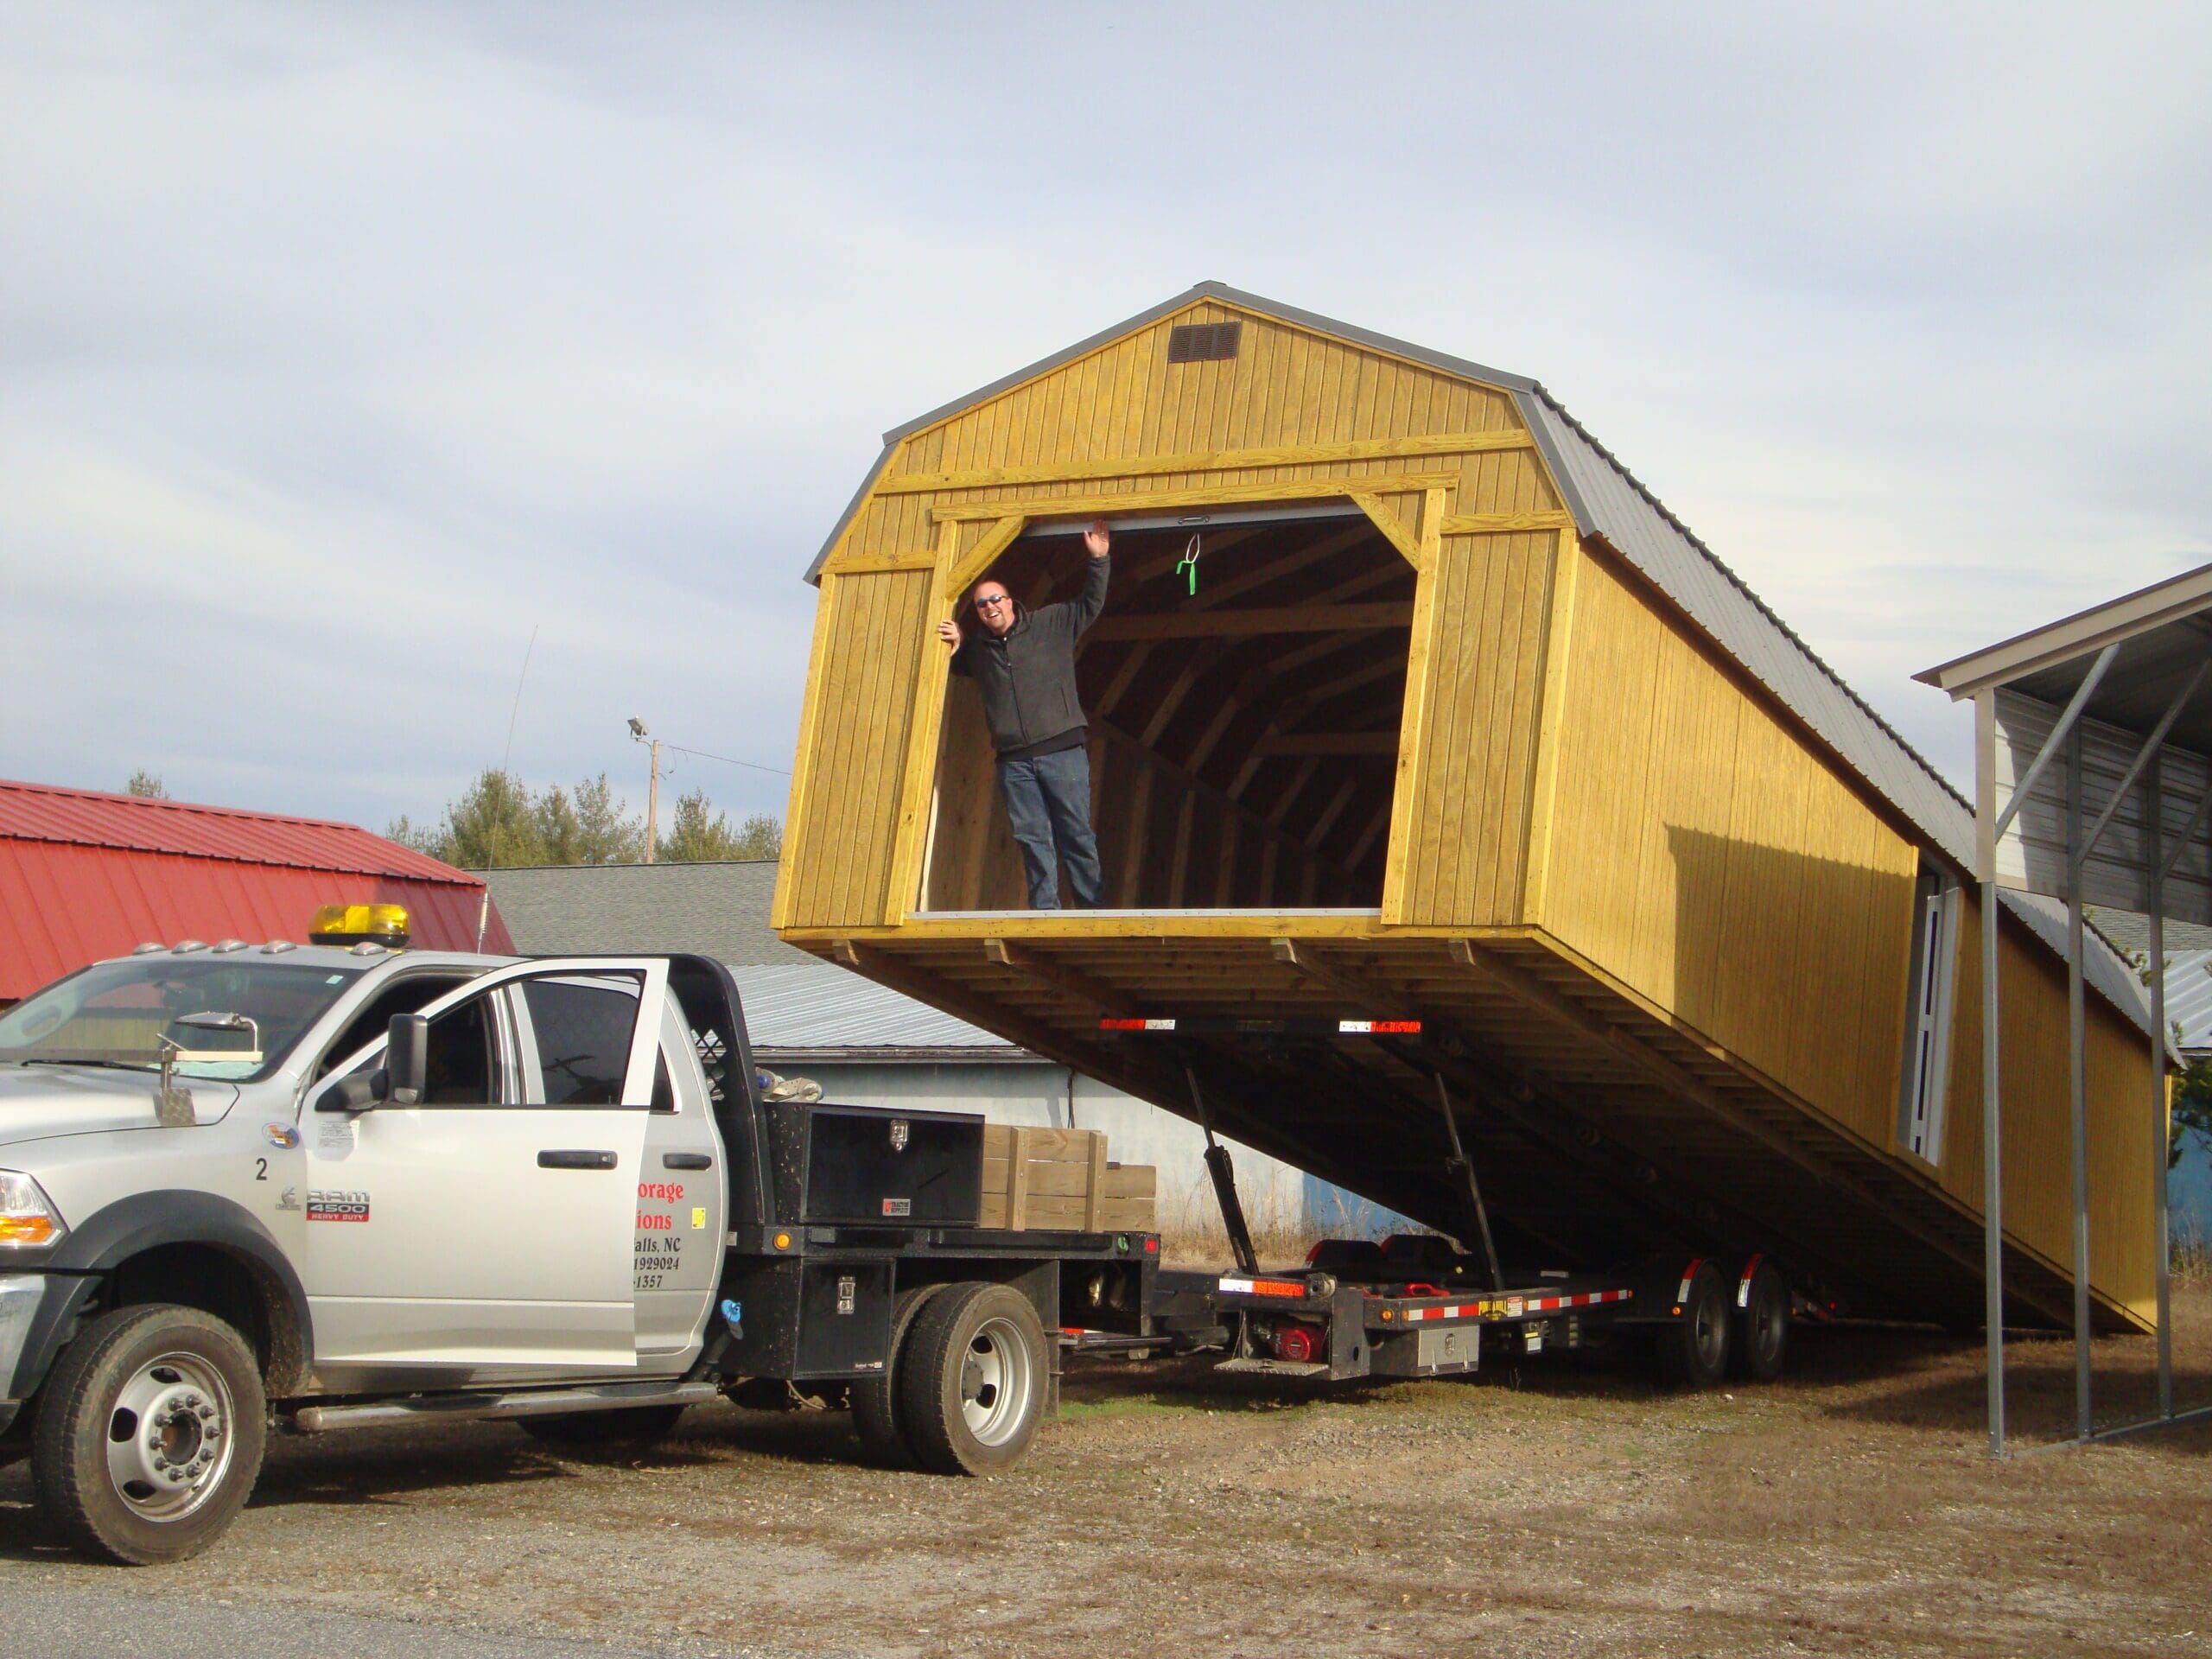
{"type": "Point", "coordinates": [964, 1384]}
{"type": "Point", "coordinates": [1727, 1327]}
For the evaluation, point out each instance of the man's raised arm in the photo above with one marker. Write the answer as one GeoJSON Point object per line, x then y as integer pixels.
{"type": "Point", "coordinates": [1098, 540]}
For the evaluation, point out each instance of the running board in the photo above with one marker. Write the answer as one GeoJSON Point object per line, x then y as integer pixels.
{"type": "Point", "coordinates": [523, 1403]}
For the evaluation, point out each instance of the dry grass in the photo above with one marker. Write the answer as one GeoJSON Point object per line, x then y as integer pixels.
{"type": "Point", "coordinates": [1534, 1510]}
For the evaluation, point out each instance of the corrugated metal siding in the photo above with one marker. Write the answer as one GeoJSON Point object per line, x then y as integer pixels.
{"type": "Point", "coordinates": [2189, 998]}
{"type": "Point", "coordinates": [63, 906]}
{"type": "Point", "coordinates": [88, 818]}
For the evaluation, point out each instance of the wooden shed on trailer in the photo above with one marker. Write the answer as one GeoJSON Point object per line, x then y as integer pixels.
{"type": "Point", "coordinates": [1410, 703]}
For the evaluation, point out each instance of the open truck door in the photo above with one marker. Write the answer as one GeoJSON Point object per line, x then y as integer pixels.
{"type": "Point", "coordinates": [489, 1224]}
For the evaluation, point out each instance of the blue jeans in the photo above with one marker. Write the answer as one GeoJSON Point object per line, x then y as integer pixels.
{"type": "Point", "coordinates": [1048, 808]}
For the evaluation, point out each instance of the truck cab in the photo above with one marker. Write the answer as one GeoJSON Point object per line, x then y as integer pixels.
{"type": "Point", "coordinates": [531, 1195]}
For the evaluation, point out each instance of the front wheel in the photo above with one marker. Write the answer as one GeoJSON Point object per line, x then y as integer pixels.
{"type": "Point", "coordinates": [972, 1380]}
{"type": "Point", "coordinates": [148, 1434]}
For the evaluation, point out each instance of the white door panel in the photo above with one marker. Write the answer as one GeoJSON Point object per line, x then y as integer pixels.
{"type": "Point", "coordinates": [476, 1232]}
{"type": "Point", "coordinates": [680, 1221]}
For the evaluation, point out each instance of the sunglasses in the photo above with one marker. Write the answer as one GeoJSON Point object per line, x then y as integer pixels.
{"type": "Point", "coordinates": [991, 602]}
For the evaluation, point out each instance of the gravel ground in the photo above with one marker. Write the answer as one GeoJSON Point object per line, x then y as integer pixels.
{"type": "Point", "coordinates": [1557, 1509]}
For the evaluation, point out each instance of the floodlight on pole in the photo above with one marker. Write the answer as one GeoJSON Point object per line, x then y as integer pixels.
{"type": "Point", "coordinates": [639, 734]}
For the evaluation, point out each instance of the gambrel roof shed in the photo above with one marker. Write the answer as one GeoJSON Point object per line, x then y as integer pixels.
{"type": "Point", "coordinates": [1460, 721]}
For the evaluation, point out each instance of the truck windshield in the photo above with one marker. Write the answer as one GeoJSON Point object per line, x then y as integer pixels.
{"type": "Point", "coordinates": [115, 1013]}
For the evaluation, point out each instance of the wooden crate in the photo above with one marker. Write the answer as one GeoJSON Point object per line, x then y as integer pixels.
{"type": "Point", "coordinates": [1060, 1180]}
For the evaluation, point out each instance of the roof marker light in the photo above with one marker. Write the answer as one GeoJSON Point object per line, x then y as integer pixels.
{"type": "Point", "coordinates": [380, 924]}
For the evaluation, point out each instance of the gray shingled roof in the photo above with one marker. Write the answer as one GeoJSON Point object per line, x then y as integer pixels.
{"type": "Point", "coordinates": [716, 910]}
{"type": "Point", "coordinates": [816, 1010]}
{"type": "Point", "coordinates": [799, 1009]}
{"type": "Point", "coordinates": [1611, 504]}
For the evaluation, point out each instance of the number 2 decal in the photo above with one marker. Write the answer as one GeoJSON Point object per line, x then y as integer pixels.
{"type": "Point", "coordinates": [261, 1169]}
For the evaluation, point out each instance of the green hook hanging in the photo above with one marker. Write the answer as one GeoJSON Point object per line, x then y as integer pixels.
{"type": "Point", "coordinates": [1190, 564]}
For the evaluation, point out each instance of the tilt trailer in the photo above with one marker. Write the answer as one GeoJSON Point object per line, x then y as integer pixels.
{"type": "Point", "coordinates": [1414, 1304]}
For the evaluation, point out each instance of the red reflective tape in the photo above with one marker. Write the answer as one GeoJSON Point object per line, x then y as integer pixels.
{"type": "Point", "coordinates": [1121, 1024]}
{"type": "Point", "coordinates": [1744, 1285]}
{"type": "Point", "coordinates": [1688, 1274]}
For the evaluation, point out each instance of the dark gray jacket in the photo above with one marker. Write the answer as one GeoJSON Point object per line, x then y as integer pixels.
{"type": "Point", "coordinates": [1026, 675]}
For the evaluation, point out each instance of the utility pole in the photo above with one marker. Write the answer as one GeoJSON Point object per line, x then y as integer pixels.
{"type": "Point", "coordinates": [639, 734]}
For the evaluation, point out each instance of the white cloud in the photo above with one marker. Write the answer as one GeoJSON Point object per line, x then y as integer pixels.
{"type": "Point", "coordinates": [342, 346]}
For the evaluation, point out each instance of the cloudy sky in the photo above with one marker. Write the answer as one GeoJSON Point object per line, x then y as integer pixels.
{"type": "Point", "coordinates": [341, 347]}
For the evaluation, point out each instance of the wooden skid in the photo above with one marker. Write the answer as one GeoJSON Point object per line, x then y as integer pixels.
{"type": "Point", "coordinates": [1060, 1179]}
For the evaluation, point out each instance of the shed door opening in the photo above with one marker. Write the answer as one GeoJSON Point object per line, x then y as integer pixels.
{"type": "Point", "coordinates": [1244, 737]}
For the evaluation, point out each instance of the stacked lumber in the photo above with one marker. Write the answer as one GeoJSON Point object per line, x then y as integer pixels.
{"type": "Point", "coordinates": [1060, 1180]}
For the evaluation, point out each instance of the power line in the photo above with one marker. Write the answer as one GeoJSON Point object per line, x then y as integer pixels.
{"type": "Point", "coordinates": [726, 760]}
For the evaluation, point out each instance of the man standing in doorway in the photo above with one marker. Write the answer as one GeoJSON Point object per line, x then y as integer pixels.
{"type": "Point", "coordinates": [1023, 662]}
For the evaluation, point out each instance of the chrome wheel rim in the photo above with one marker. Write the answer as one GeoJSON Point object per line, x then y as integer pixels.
{"type": "Point", "coordinates": [1769, 1317]}
{"type": "Point", "coordinates": [1707, 1324]}
{"type": "Point", "coordinates": [169, 1437]}
{"type": "Point", "coordinates": [996, 1376]}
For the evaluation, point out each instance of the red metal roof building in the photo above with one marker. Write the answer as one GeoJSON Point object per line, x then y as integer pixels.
{"type": "Point", "coordinates": [85, 875]}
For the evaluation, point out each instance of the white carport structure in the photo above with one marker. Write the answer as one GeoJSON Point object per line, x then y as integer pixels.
{"type": "Point", "coordinates": [2093, 783]}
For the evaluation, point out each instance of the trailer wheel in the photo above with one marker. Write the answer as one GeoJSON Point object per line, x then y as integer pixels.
{"type": "Point", "coordinates": [148, 1434]}
{"type": "Point", "coordinates": [875, 1399]}
{"type": "Point", "coordinates": [1693, 1347]}
{"type": "Point", "coordinates": [972, 1380]}
{"type": "Point", "coordinates": [631, 1427]}
{"type": "Point", "coordinates": [1758, 1331]}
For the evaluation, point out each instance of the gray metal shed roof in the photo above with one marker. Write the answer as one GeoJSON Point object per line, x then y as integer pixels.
{"type": "Point", "coordinates": [2189, 998]}
{"type": "Point", "coordinates": [1610, 504]}
{"type": "Point", "coordinates": [817, 1006]}
{"type": "Point", "coordinates": [716, 910]}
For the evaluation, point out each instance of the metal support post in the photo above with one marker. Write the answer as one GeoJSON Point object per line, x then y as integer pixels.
{"type": "Point", "coordinates": [2078, 1090]}
{"type": "Point", "coordinates": [2154, 862]}
{"type": "Point", "coordinates": [1992, 1182]}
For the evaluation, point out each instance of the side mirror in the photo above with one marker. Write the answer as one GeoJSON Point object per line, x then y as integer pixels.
{"type": "Point", "coordinates": [356, 1092]}
{"type": "Point", "coordinates": [407, 1059]}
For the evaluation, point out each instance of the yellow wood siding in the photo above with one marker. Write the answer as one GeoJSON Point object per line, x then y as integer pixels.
{"type": "Point", "coordinates": [1701, 854]}
{"type": "Point", "coordinates": [1465, 829]}
{"type": "Point", "coordinates": [1413, 444]}
{"type": "Point", "coordinates": [2124, 1141]}
{"type": "Point", "coordinates": [845, 804]}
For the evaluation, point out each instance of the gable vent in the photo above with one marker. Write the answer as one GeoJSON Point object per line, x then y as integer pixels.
{"type": "Point", "coordinates": [1203, 342]}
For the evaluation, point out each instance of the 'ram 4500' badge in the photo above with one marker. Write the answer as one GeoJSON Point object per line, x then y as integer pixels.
{"type": "Point", "coordinates": [898, 1135]}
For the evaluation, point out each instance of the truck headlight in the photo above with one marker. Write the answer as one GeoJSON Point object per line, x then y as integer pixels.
{"type": "Point", "coordinates": [27, 1217]}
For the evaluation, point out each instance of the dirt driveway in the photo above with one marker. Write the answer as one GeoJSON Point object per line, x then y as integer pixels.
{"type": "Point", "coordinates": [1557, 1510]}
